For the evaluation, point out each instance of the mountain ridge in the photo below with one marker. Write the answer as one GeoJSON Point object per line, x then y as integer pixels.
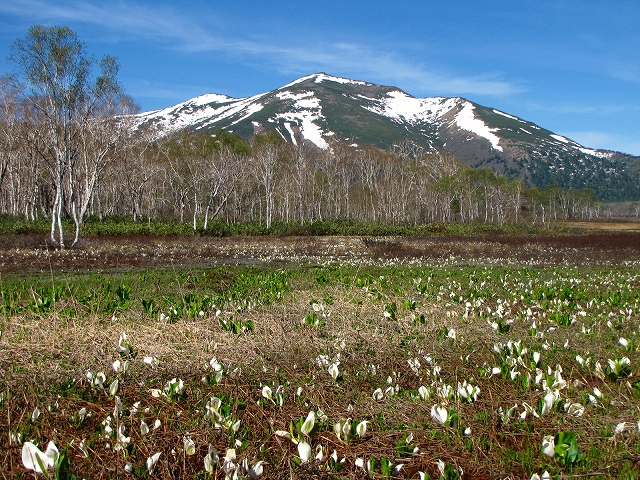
{"type": "Point", "coordinates": [319, 108]}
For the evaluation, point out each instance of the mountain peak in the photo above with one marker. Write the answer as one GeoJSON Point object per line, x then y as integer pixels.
{"type": "Point", "coordinates": [319, 108]}
{"type": "Point", "coordinates": [322, 77]}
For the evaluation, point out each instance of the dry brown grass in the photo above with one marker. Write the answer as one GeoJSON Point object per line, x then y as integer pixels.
{"type": "Point", "coordinates": [40, 353]}
{"type": "Point", "coordinates": [47, 350]}
{"type": "Point", "coordinates": [612, 226]}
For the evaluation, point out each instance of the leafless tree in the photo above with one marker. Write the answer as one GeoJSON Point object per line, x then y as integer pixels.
{"type": "Point", "coordinates": [65, 104]}
{"type": "Point", "coordinates": [265, 163]}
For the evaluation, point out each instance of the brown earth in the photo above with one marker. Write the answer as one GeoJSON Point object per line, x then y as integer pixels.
{"type": "Point", "coordinates": [30, 253]}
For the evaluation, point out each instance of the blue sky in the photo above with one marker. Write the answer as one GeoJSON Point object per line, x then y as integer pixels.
{"type": "Point", "coordinates": [570, 66]}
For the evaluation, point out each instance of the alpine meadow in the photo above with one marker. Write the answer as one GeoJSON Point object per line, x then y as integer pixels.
{"type": "Point", "coordinates": [330, 280]}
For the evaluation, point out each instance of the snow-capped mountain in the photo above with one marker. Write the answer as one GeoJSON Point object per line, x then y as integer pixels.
{"type": "Point", "coordinates": [320, 108]}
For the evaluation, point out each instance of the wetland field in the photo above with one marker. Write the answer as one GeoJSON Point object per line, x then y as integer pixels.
{"type": "Point", "coordinates": [445, 356]}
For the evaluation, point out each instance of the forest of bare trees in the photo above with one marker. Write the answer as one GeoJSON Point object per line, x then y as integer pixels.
{"type": "Point", "coordinates": [69, 149]}
{"type": "Point", "coordinates": [197, 178]}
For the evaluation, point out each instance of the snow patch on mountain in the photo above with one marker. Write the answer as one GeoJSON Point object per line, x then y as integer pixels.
{"type": "Point", "coordinates": [291, 134]}
{"type": "Point", "coordinates": [595, 153]}
{"type": "Point", "coordinates": [212, 98]}
{"type": "Point", "coordinates": [203, 110]}
{"type": "Point", "coordinates": [308, 111]}
{"type": "Point", "coordinates": [322, 77]}
{"type": "Point", "coordinates": [588, 151]}
{"type": "Point", "coordinates": [302, 100]}
{"type": "Point", "coordinates": [244, 107]}
{"type": "Point", "coordinates": [311, 131]}
{"type": "Point", "coordinates": [245, 110]}
{"type": "Point", "coordinates": [508, 116]}
{"type": "Point", "coordinates": [466, 120]}
{"type": "Point", "coordinates": [405, 108]}
{"type": "Point", "coordinates": [285, 95]}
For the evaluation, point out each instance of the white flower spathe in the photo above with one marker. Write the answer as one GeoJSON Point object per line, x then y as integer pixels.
{"type": "Point", "coordinates": [189, 446]}
{"type": "Point", "coordinates": [439, 414]}
{"type": "Point", "coordinates": [304, 451]}
{"type": "Point", "coordinates": [333, 371]}
{"type": "Point", "coordinates": [424, 393]}
{"type": "Point", "coordinates": [309, 423]}
{"type": "Point", "coordinates": [255, 471]}
{"type": "Point", "coordinates": [267, 393]}
{"type": "Point", "coordinates": [549, 446]}
{"type": "Point", "coordinates": [210, 460]}
{"type": "Point", "coordinates": [361, 428]}
{"type": "Point", "coordinates": [151, 462]}
{"type": "Point", "coordinates": [34, 459]}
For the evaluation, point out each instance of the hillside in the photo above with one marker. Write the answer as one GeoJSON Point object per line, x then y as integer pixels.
{"type": "Point", "coordinates": [319, 109]}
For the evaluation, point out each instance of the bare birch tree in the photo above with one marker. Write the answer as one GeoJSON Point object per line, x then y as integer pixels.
{"type": "Point", "coordinates": [66, 101]}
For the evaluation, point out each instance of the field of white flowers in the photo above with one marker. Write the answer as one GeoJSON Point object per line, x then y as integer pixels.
{"type": "Point", "coordinates": [357, 368]}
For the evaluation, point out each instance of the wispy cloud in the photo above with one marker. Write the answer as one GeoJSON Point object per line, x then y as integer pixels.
{"type": "Point", "coordinates": [579, 109]}
{"type": "Point", "coordinates": [172, 29]}
{"type": "Point", "coordinates": [160, 90]}
{"type": "Point", "coordinates": [629, 72]}
{"type": "Point", "coordinates": [133, 21]}
{"type": "Point", "coordinates": [369, 63]}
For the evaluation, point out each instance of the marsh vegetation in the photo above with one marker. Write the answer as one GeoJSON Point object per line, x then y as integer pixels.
{"type": "Point", "coordinates": [331, 357]}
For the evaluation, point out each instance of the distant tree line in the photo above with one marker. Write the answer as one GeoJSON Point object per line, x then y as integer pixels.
{"type": "Point", "coordinates": [197, 177]}
{"type": "Point", "coordinates": [200, 177]}
{"type": "Point", "coordinates": [68, 149]}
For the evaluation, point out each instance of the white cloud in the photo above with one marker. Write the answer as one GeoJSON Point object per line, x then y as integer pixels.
{"type": "Point", "coordinates": [579, 109]}
{"type": "Point", "coordinates": [159, 90]}
{"type": "Point", "coordinates": [368, 63]}
{"type": "Point", "coordinates": [170, 28]}
{"type": "Point", "coordinates": [157, 24]}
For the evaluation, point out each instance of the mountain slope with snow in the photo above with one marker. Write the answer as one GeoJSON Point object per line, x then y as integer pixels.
{"type": "Point", "coordinates": [318, 109]}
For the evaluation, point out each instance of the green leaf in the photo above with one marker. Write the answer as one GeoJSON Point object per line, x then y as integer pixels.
{"type": "Point", "coordinates": [567, 451]}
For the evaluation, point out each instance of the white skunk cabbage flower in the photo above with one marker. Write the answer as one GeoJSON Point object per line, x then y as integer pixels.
{"type": "Point", "coordinates": [309, 423]}
{"type": "Point", "coordinates": [267, 393]}
{"type": "Point", "coordinates": [549, 446]}
{"type": "Point", "coordinates": [151, 462]}
{"type": "Point", "coordinates": [189, 446]}
{"type": "Point", "coordinates": [424, 393]}
{"type": "Point", "coordinates": [304, 451]}
{"type": "Point", "coordinates": [150, 360]}
{"type": "Point", "coordinates": [210, 460]}
{"type": "Point", "coordinates": [439, 414]}
{"type": "Point", "coordinates": [34, 459]}
{"type": "Point", "coordinates": [283, 434]}
{"type": "Point", "coordinates": [255, 471]}
{"type": "Point", "coordinates": [549, 399]}
{"type": "Point", "coordinates": [361, 428]}
{"type": "Point", "coordinates": [333, 371]}
{"type": "Point", "coordinates": [123, 347]}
